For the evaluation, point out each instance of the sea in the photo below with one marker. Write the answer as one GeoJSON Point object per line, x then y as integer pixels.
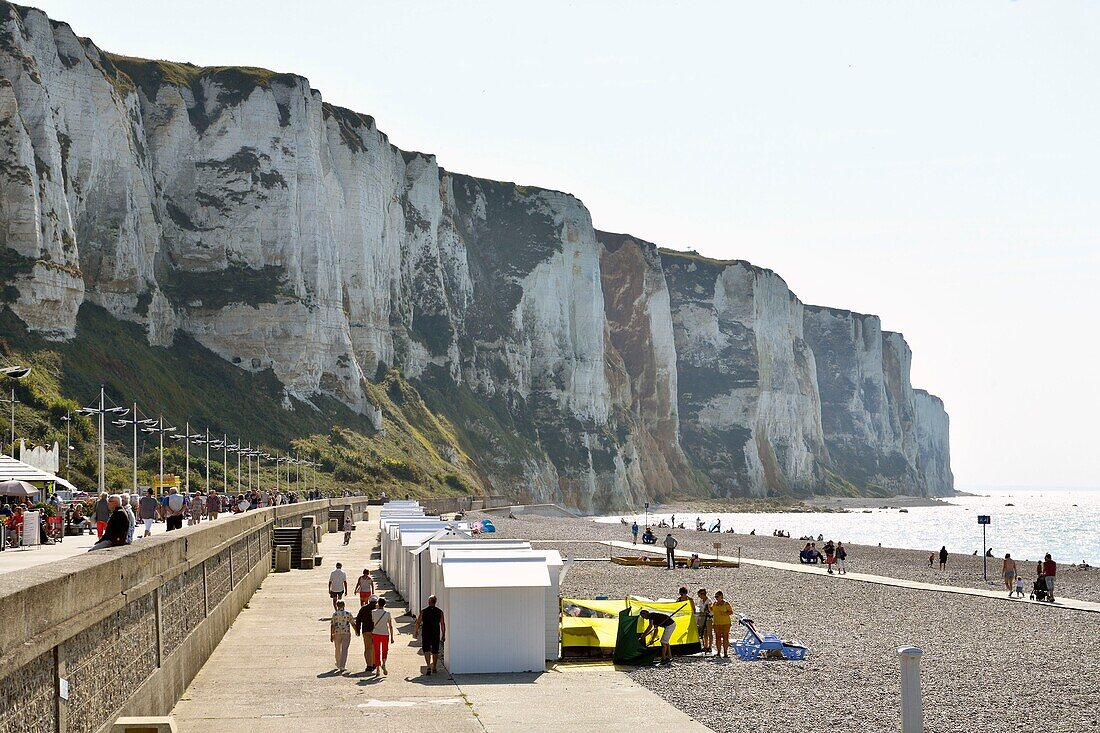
{"type": "Point", "coordinates": [1026, 521]}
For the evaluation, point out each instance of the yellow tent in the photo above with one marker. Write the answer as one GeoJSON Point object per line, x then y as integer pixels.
{"type": "Point", "coordinates": [595, 624]}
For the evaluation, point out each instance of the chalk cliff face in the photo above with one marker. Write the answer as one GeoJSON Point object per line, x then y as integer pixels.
{"type": "Point", "coordinates": [287, 234]}
{"type": "Point", "coordinates": [748, 398]}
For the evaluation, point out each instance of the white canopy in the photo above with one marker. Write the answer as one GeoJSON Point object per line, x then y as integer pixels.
{"type": "Point", "coordinates": [14, 470]}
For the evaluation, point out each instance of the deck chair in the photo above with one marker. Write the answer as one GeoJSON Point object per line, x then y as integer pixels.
{"type": "Point", "coordinates": [765, 646]}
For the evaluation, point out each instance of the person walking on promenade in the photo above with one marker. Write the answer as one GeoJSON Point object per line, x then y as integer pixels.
{"type": "Point", "coordinates": [118, 526]}
{"type": "Point", "coordinates": [147, 509]}
{"type": "Point", "coordinates": [666, 624]}
{"type": "Point", "coordinates": [841, 559]}
{"type": "Point", "coordinates": [943, 558]}
{"type": "Point", "coordinates": [129, 512]}
{"type": "Point", "coordinates": [704, 620]}
{"type": "Point", "coordinates": [723, 618]}
{"type": "Point", "coordinates": [670, 550]}
{"type": "Point", "coordinates": [830, 555]}
{"type": "Point", "coordinates": [1050, 568]}
{"type": "Point", "coordinates": [213, 505]}
{"type": "Point", "coordinates": [339, 634]}
{"type": "Point", "coordinates": [337, 584]}
{"type": "Point", "coordinates": [364, 587]}
{"type": "Point", "coordinates": [432, 625]}
{"type": "Point", "coordinates": [634, 531]}
{"type": "Point", "coordinates": [101, 512]}
{"type": "Point", "coordinates": [382, 634]}
{"type": "Point", "coordinates": [1008, 573]}
{"type": "Point", "coordinates": [174, 505]}
{"type": "Point", "coordinates": [198, 506]}
{"type": "Point", "coordinates": [364, 625]}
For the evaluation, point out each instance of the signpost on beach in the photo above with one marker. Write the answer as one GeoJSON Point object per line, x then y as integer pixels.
{"type": "Point", "coordinates": [647, 514]}
{"type": "Point", "coordinates": [983, 519]}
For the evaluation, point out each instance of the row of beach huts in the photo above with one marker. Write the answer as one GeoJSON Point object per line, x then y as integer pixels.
{"type": "Point", "coordinates": [500, 597]}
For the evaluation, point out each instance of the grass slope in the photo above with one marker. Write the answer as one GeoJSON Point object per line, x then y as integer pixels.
{"type": "Point", "coordinates": [416, 452]}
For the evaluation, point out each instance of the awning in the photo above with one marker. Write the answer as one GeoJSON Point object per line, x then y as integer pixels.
{"type": "Point", "coordinates": [15, 470]}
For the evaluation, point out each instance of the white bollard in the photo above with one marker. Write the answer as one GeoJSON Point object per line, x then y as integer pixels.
{"type": "Point", "coordinates": [912, 711]}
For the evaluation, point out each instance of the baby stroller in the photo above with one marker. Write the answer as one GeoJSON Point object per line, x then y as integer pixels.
{"type": "Point", "coordinates": [1039, 590]}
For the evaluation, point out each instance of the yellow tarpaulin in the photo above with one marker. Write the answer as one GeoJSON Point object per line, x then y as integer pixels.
{"type": "Point", "coordinates": [587, 623]}
{"type": "Point", "coordinates": [595, 624]}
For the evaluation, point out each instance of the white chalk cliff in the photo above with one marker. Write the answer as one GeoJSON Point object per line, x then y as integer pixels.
{"type": "Point", "coordinates": [288, 234]}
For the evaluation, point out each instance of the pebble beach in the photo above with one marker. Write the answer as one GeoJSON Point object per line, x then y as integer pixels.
{"type": "Point", "coordinates": [988, 665]}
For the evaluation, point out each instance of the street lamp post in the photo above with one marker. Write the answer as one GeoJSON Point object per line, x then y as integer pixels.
{"type": "Point", "coordinates": [14, 372]}
{"type": "Point", "coordinates": [135, 421]}
{"type": "Point", "coordinates": [68, 442]}
{"type": "Point", "coordinates": [187, 438]}
{"type": "Point", "coordinates": [101, 411]}
{"type": "Point", "coordinates": [160, 429]}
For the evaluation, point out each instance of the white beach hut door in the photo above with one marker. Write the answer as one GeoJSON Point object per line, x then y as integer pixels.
{"type": "Point", "coordinates": [496, 630]}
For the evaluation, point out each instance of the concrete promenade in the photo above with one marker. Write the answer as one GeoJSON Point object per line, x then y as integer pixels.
{"type": "Point", "coordinates": [275, 669]}
{"type": "Point", "coordinates": [1065, 603]}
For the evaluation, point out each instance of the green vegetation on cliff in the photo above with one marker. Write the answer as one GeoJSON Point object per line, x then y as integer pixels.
{"type": "Point", "coordinates": [416, 452]}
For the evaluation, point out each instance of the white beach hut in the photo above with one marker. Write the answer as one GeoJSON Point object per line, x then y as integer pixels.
{"type": "Point", "coordinates": [496, 620]}
{"type": "Point", "coordinates": [432, 572]}
{"type": "Point", "coordinates": [419, 569]}
{"type": "Point", "coordinates": [393, 554]}
{"type": "Point", "coordinates": [554, 565]}
{"type": "Point", "coordinates": [406, 566]}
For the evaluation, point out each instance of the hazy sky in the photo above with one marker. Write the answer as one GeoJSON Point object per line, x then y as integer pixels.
{"type": "Point", "coordinates": [936, 163]}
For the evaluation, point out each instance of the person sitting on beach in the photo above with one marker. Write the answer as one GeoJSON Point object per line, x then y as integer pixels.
{"type": "Point", "coordinates": [821, 538]}
{"type": "Point", "coordinates": [717, 526]}
{"type": "Point", "coordinates": [806, 556]}
{"type": "Point", "coordinates": [648, 538]}
{"type": "Point", "coordinates": [698, 524]}
{"type": "Point", "coordinates": [695, 563]}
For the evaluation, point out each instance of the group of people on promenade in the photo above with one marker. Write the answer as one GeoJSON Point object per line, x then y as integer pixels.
{"type": "Point", "coordinates": [116, 516]}
{"type": "Point", "coordinates": [374, 623]}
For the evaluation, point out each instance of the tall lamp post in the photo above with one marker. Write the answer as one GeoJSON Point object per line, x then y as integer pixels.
{"type": "Point", "coordinates": [235, 448]}
{"type": "Point", "coordinates": [14, 372]}
{"type": "Point", "coordinates": [160, 429]}
{"type": "Point", "coordinates": [135, 421]}
{"type": "Point", "coordinates": [206, 441]}
{"type": "Point", "coordinates": [68, 442]}
{"type": "Point", "coordinates": [187, 438]}
{"type": "Point", "coordinates": [101, 411]}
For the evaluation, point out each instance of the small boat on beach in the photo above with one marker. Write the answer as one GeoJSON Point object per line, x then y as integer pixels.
{"type": "Point", "coordinates": [659, 562]}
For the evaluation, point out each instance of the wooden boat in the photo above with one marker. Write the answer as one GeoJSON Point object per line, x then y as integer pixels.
{"type": "Point", "coordinates": [652, 561]}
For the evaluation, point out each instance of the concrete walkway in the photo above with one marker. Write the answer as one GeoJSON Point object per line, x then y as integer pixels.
{"type": "Point", "coordinates": [1067, 603]}
{"type": "Point", "coordinates": [274, 670]}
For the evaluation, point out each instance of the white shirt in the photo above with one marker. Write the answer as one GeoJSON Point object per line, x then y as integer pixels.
{"type": "Point", "coordinates": [336, 581]}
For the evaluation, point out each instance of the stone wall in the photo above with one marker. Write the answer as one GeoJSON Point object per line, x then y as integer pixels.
{"type": "Point", "coordinates": [129, 628]}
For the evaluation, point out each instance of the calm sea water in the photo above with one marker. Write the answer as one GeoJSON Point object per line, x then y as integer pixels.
{"type": "Point", "coordinates": [1063, 522]}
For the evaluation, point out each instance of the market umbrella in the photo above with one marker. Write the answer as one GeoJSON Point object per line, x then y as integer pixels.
{"type": "Point", "coordinates": [21, 489]}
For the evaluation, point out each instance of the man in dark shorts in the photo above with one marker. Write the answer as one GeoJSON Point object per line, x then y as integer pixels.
{"type": "Point", "coordinates": [434, 628]}
{"type": "Point", "coordinates": [667, 625]}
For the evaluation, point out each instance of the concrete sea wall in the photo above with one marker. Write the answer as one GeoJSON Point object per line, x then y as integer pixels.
{"type": "Point", "coordinates": [128, 629]}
